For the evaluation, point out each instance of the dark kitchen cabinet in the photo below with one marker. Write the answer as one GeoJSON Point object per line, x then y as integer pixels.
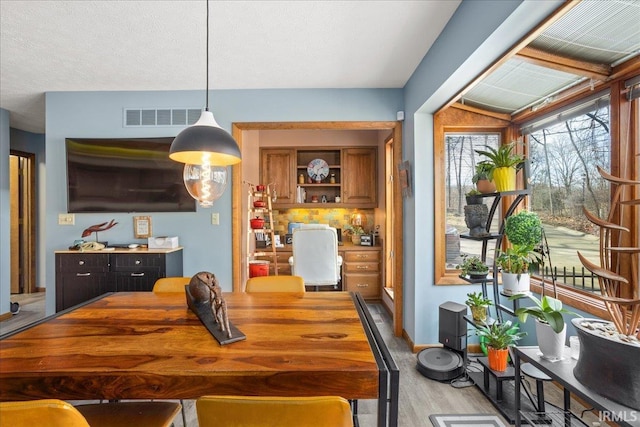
{"type": "Point", "coordinates": [81, 276]}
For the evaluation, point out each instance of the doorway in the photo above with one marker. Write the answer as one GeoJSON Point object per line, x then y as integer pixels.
{"type": "Point", "coordinates": [22, 222]}
{"type": "Point", "coordinates": [246, 132]}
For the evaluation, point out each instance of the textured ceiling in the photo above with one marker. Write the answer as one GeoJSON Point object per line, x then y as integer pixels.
{"type": "Point", "coordinates": [160, 45]}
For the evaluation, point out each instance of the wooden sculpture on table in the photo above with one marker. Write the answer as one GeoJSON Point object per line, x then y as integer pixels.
{"type": "Point", "coordinates": [614, 281]}
{"type": "Point", "coordinates": [99, 227]}
{"type": "Point", "coordinates": [205, 299]}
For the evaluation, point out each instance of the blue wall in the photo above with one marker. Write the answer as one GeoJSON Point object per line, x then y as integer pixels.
{"type": "Point", "coordinates": [100, 114]}
{"type": "Point", "coordinates": [5, 230]}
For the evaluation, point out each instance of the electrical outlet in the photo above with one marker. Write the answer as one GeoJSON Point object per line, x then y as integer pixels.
{"type": "Point", "coordinates": [215, 218]}
{"type": "Point", "coordinates": [66, 219]}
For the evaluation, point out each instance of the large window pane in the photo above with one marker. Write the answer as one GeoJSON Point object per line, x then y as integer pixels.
{"type": "Point", "coordinates": [564, 178]}
{"type": "Point", "coordinates": [460, 163]}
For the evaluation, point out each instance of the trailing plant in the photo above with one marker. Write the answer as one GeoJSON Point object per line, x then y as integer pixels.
{"type": "Point", "coordinates": [547, 310]}
{"type": "Point", "coordinates": [472, 264]}
{"type": "Point", "coordinates": [501, 157]}
{"type": "Point", "coordinates": [477, 299]}
{"type": "Point", "coordinates": [500, 335]}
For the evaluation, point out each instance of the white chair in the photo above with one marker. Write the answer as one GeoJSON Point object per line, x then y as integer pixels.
{"type": "Point", "coordinates": [315, 256]}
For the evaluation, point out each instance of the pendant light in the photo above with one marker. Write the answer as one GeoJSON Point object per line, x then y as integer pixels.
{"type": "Point", "coordinates": [207, 150]}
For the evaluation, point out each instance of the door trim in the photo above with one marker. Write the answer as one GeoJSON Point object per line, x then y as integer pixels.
{"type": "Point", "coordinates": [238, 130]}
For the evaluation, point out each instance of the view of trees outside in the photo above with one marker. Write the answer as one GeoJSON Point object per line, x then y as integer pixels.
{"type": "Point", "coordinates": [563, 178]}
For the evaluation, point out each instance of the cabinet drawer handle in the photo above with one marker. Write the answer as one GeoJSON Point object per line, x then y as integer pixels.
{"type": "Point", "coordinates": [362, 256]}
{"type": "Point", "coordinates": [362, 285]}
{"type": "Point", "coordinates": [81, 262]}
{"type": "Point", "coordinates": [83, 274]}
{"type": "Point", "coordinates": [362, 267]}
{"type": "Point", "coordinates": [137, 274]}
{"type": "Point", "coordinates": [138, 262]}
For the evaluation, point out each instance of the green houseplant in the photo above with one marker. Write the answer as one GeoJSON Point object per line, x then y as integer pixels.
{"type": "Point", "coordinates": [502, 163]}
{"type": "Point", "coordinates": [483, 177]}
{"type": "Point", "coordinates": [355, 231]}
{"type": "Point", "coordinates": [550, 324]}
{"type": "Point", "coordinates": [473, 267]}
{"type": "Point", "coordinates": [524, 232]}
{"type": "Point", "coordinates": [473, 197]}
{"type": "Point", "coordinates": [478, 304]}
{"type": "Point", "coordinates": [499, 337]}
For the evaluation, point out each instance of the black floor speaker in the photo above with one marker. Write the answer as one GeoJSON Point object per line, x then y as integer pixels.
{"type": "Point", "coordinates": [440, 364]}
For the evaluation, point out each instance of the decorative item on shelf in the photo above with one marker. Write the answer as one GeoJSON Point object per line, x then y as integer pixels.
{"type": "Point", "coordinates": [524, 232]}
{"type": "Point", "coordinates": [260, 188]}
{"type": "Point", "coordinates": [318, 169]}
{"type": "Point", "coordinates": [355, 231]}
{"type": "Point", "coordinates": [301, 179]}
{"type": "Point", "coordinates": [206, 150]}
{"type": "Point", "coordinates": [314, 199]}
{"type": "Point", "coordinates": [502, 164]}
{"type": "Point", "coordinates": [205, 299]}
{"type": "Point", "coordinates": [483, 178]}
{"type": "Point", "coordinates": [257, 223]}
{"type": "Point", "coordinates": [338, 199]}
{"type": "Point", "coordinates": [99, 227]}
{"type": "Point", "coordinates": [259, 203]}
{"type": "Point", "coordinates": [142, 227]}
{"type": "Point", "coordinates": [499, 337]}
{"type": "Point", "coordinates": [550, 326]}
{"type": "Point", "coordinates": [478, 304]}
{"type": "Point", "coordinates": [332, 178]}
{"type": "Point", "coordinates": [473, 197]}
{"type": "Point", "coordinates": [476, 216]}
{"type": "Point", "coordinates": [473, 267]}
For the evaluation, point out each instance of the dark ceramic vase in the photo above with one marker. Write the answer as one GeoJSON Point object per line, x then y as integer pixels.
{"type": "Point", "coordinates": [607, 366]}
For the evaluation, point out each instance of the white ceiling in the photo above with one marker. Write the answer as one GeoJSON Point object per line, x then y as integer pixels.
{"type": "Point", "coordinates": [160, 45]}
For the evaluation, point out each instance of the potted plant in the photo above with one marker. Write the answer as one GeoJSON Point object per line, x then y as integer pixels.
{"type": "Point", "coordinates": [524, 232]}
{"type": "Point", "coordinates": [503, 163]}
{"type": "Point", "coordinates": [473, 267]}
{"type": "Point", "coordinates": [473, 197]}
{"type": "Point", "coordinates": [355, 231]}
{"type": "Point", "coordinates": [478, 304]}
{"type": "Point", "coordinates": [550, 326]}
{"type": "Point", "coordinates": [499, 337]}
{"type": "Point", "coordinates": [483, 178]}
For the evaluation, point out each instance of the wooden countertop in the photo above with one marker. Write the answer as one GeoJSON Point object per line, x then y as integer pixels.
{"type": "Point", "coordinates": [121, 251]}
{"type": "Point", "coordinates": [346, 246]}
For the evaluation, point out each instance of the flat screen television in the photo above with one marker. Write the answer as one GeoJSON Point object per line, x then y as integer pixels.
{"type": "Point", "coordinates": [124, 175]}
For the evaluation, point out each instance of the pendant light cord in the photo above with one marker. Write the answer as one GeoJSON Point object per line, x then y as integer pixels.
{"type": "Point", "coordinates": [206, 108]}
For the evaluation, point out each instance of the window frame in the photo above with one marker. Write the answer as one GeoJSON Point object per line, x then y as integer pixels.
{"type": "Point", "coordinates": [625, 162]}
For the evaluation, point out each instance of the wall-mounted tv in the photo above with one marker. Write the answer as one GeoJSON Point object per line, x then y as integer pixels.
{"type": "Point", "coordinates": [124, 175]}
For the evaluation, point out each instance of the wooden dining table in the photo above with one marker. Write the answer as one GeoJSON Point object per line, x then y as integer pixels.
{"type": "Point", "coordinates": [145, 345]}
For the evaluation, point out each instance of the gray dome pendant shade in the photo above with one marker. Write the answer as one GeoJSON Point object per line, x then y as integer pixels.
{"type": "Point", "coordinates": [205, 142]}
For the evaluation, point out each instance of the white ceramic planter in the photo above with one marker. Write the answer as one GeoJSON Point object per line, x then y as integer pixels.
{"type": "Point", "coordinates": [550, 342]}
{"type": "Point", "coordinates": [512, 284]}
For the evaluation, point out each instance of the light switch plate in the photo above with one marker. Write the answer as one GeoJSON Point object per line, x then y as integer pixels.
{"type": "Point", "coordinates": [215, 218]}
{"type": "Point", "coordinates": [66, 219]}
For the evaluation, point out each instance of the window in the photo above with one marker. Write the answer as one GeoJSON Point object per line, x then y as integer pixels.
{"type": "Point", "coordinates": [460, 163]}
{"type": "Point", "coordinates": [564, 155]}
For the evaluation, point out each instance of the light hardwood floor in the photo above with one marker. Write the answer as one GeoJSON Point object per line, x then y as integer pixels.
{"type": "Point", "coordinates": [419, 396]}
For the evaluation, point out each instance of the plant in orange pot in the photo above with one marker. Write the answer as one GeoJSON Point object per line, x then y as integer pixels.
{"type": "Point", "coordinates": [499, 337]}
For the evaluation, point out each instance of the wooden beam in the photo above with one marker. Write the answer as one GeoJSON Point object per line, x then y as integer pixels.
{"type": "Point", "coordinates": [562, 63]}
{"type": "Point", "coordinates": [501, 116]}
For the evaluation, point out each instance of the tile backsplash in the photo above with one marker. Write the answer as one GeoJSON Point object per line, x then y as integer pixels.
{"type": "Point", "coordinates": [337, 217]}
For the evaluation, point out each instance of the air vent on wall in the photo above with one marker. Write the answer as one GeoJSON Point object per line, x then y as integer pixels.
{"type": "Point", "coordinates": [134, 117]}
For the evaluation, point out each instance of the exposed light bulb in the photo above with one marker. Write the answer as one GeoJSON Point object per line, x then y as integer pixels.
{"type": "Point", "coordinates": [205, 183]}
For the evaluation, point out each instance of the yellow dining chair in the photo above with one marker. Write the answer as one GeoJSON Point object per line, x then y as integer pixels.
{"type": "Point", "coordinates": [53, 412]}
{"type": "Point", "coordinates": [253, 411]}
{"type": "Point", "coordinates": [275, 284]}
{"type": "Point", "coordinates": [58, 413]}
{"type": "Point", "coordinates": [170, 284]}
